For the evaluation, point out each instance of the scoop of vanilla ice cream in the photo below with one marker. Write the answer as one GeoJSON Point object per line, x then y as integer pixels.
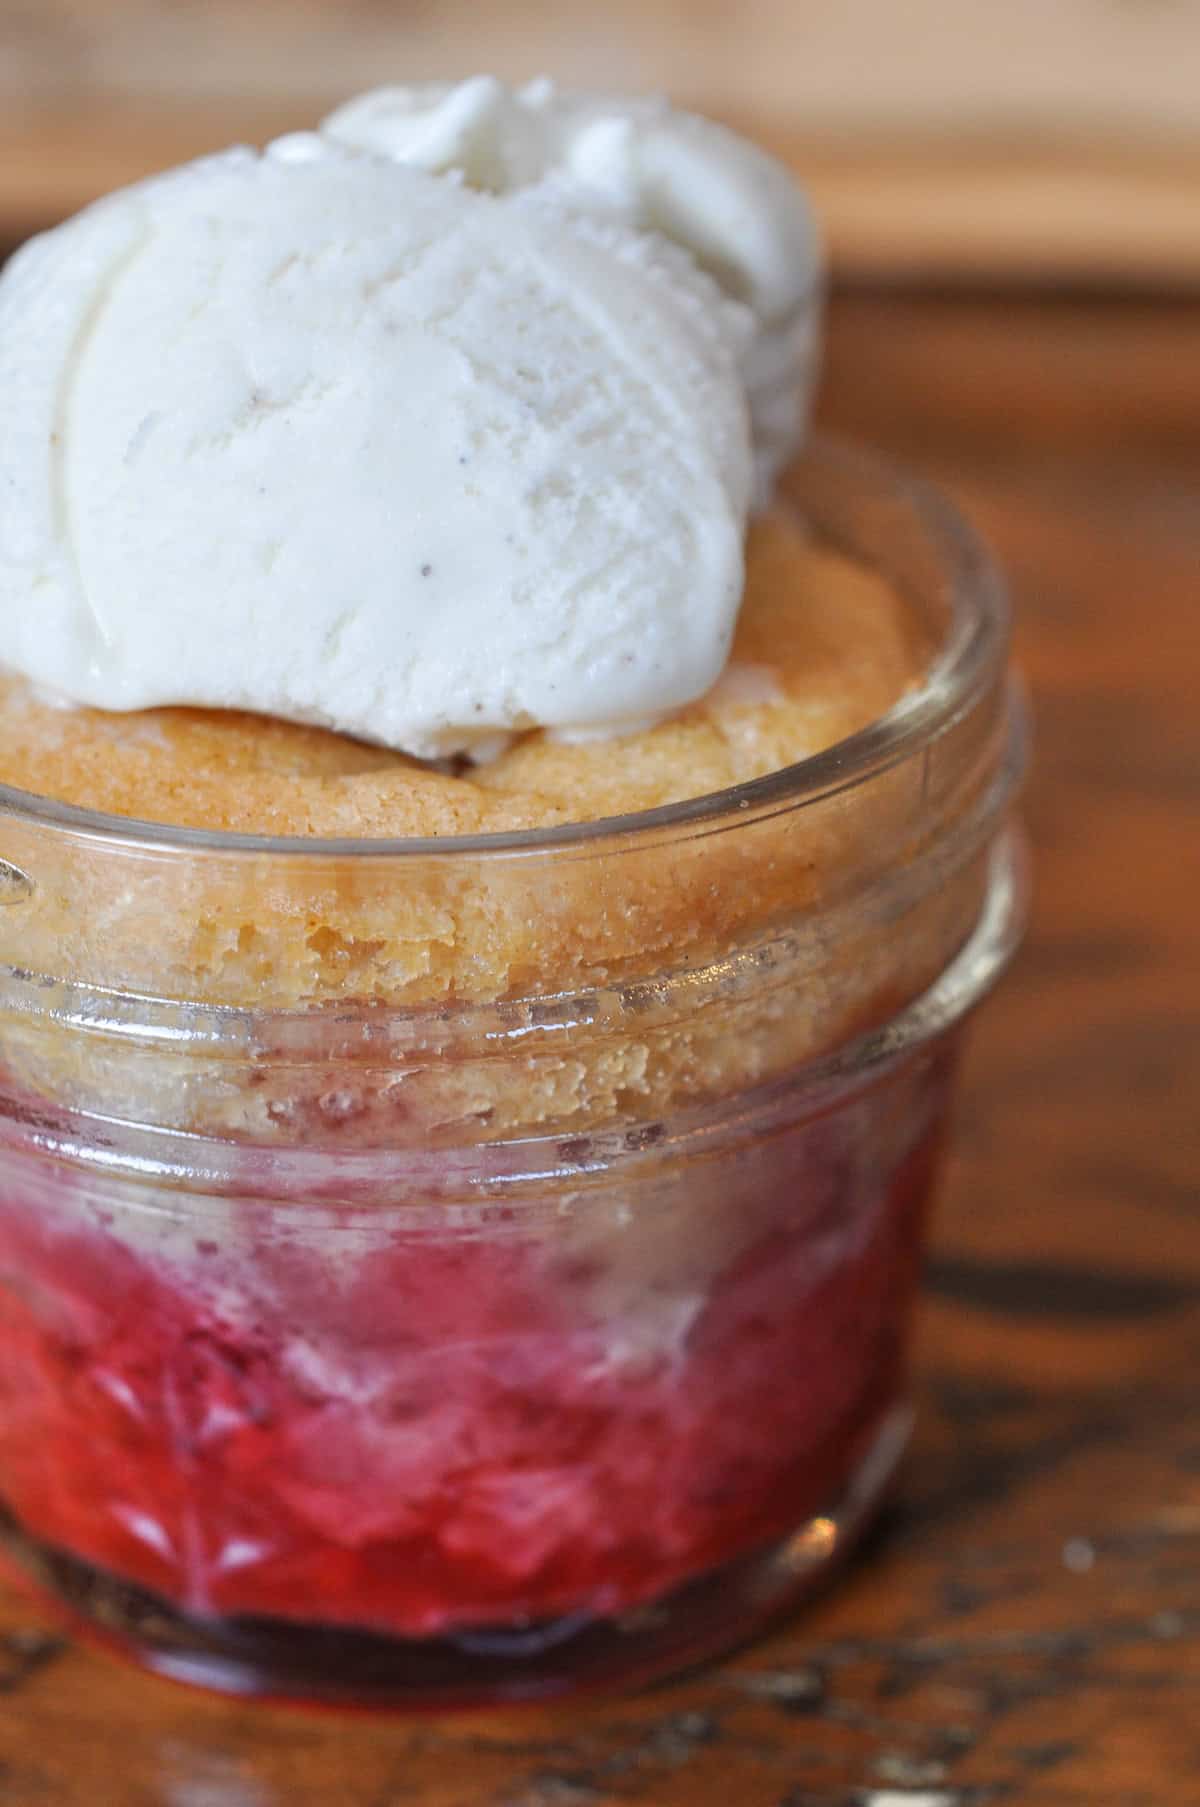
{"type": "Point", "coordinates": [379, 441]}
{"type": "Point", "coordinates": [732, 207]}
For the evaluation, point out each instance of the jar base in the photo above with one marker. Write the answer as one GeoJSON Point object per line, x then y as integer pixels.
{"type": "Point", "coordinates": [290, 1661]}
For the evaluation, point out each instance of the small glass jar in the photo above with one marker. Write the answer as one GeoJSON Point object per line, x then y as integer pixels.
{"type": "Point", "coordinates": [441, 1272]}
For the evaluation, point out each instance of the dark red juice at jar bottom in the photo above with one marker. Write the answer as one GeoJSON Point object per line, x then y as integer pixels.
{"type": "Point", "coordinates": [452, 1440]}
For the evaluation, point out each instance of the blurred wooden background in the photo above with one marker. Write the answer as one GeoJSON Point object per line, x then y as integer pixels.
{"type": "Point", "coordinates": [945, 140]}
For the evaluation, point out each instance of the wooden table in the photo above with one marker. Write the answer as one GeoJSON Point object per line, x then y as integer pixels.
{"type": "Point", "coordinates": [1026, 1625]}
{"type": "Point", "coordinates": [967, 137]}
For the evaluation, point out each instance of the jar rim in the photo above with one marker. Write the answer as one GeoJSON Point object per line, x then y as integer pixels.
{"type": "Point", "coordinates": [975, 645]}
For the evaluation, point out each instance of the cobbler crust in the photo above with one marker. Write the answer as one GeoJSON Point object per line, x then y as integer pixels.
{"type": "Point", "coordinates": [823, 647]}
{"type": "Point", "coordinates": [459, 998]}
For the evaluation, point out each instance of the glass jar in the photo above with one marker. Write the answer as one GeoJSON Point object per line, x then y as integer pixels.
{"type": "Point", "coordinates": [446, 1271]}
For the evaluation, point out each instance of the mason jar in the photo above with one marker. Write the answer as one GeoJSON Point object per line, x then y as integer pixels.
{"type": "Point", "coordinates": [441, 1271]}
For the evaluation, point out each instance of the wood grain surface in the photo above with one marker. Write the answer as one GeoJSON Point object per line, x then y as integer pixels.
{"type": "Point", "coordinates": [1025, 1626]}
{"type": "Point", "coordinates": [944, 139]}
{"type": "Point", "coordinates": [856, 65]}
{"type": "Point", "coordinates": [920, 208]}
